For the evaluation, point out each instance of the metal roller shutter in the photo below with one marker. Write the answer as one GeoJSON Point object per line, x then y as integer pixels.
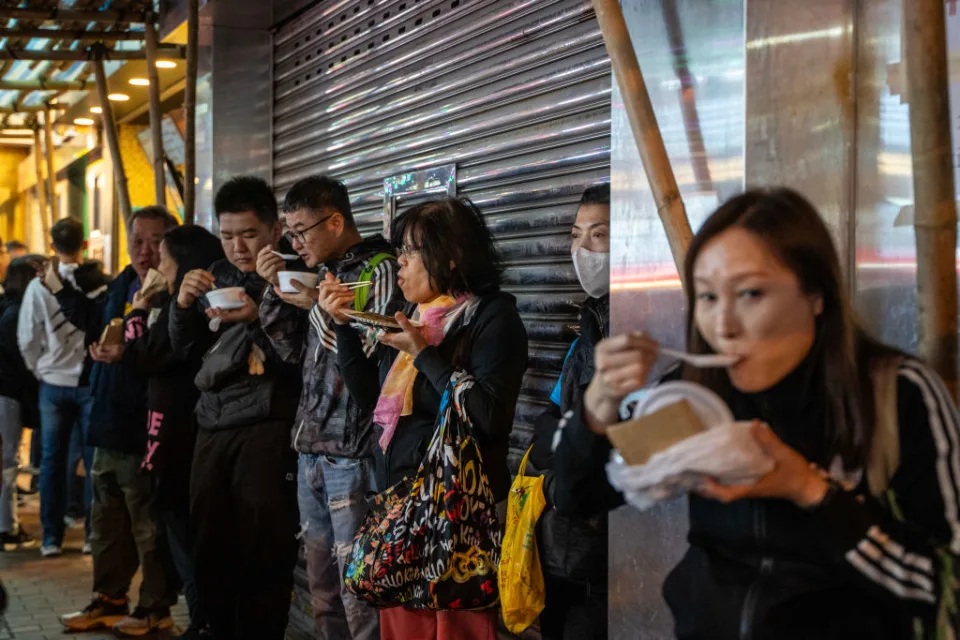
{"type": "Point", "coordinates": [516, 93]}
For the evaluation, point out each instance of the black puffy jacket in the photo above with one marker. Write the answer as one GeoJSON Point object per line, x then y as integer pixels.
{"type": "Point", "coordinates": [572, 545]}
{"type": "Point", "coordinates": [235, 398]}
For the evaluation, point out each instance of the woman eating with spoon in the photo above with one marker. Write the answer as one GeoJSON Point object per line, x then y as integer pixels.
{"type": "Point", "coordinates": [854, 531]}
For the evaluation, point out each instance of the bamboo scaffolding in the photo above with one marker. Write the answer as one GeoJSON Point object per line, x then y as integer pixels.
{"type": "Point", "coordinates": [51, 165]}
{"type": "Point", "coordinates": [30, 109]}
{"type": "Point", "coordinates": [113, 141]}
{"type": "Point", "coordinates": [72, 34]}
{"type": "Point", "coordinates": [156, 117]}
{"type": "Point", "coordinates": [42, 84]}
{"type": "Point", "coordinates": [41, 187]}
{"type": "Point", "coordinates": [646, 131]}
{"type": "Point", "coordinates": [73, 15]}
{"type": "Point", "coordinates": [190, 113]}
{"type": "Point", "coordinates": [90, 53]}
{"type": "Point", "coordinates": [935, 212]}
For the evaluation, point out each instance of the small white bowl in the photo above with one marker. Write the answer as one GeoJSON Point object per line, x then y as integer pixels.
{"type": "Point", "coordinates": [305, 278]}
{"type": "Point", "coordinates": [226, 298]}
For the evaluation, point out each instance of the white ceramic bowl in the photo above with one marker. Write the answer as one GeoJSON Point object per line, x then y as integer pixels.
{"type": "Point", "coordinates": [305, 278]}
{"type": "Point", "coordinates": [226, 298]}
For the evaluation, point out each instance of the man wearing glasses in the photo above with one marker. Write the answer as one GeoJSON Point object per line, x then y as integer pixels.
{"type": "Point", "coordinates": [243, 500]}
{"type": "Point", "coordinates": [332, 435]}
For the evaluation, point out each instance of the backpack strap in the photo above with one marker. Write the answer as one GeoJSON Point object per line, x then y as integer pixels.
{"type": "Point", "coordinates": [362, 294]}
{"type": "Point", "coordinates": [885, 452]}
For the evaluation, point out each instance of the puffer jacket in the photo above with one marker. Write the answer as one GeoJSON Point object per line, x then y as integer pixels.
{"type": "Point", "coordinates": [329, 421]}
{"type": "Point", "coordinates": [238, 399]}
{"type": "Point", "coordinates": [572, 546]}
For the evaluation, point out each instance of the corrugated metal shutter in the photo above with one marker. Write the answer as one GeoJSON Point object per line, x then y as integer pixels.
{"type": "Point", "coordinates": [515, 92]}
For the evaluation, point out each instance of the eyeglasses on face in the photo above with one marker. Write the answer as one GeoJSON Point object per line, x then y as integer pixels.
{"type": "Point", "coordinates": [301, 234]}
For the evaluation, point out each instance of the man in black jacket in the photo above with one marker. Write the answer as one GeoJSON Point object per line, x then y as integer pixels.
{"type": "Point", "coordinates": [124, 519]}
{"type": "Point", "coordinates": [573, 547]}
{"type": "Point", "coordinates": [332, 434]}
{"type": "Point", "coordinates": [243, 500]}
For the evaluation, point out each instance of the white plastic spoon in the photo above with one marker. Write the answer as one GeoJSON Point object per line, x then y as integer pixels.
{"type": "Point", "coordinates": [289, 257]}
{"type": "Point", "coordinates": [704, 361]}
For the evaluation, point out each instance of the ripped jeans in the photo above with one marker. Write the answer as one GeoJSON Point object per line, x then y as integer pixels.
{"type": "Point", "coordinates": [332, 493]}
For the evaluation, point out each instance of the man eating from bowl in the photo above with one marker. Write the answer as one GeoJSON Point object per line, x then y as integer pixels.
{"type": "Point", "coordinates": [332, 435]}
{"type": "Point", "coordinates": [243, 501]}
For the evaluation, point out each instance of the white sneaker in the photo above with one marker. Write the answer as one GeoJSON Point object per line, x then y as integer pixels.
{"type": "Point", "coordinates": [87, 549]}
{"type": "Point", "coordinates": [50, 550]}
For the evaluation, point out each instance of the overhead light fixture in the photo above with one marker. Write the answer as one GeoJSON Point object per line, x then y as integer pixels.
{"type": "Point", "coordinates": [166, 64]}
{"type": "Point", "coordinates": [119, 97]}
{"type": "Point", "coordinates": [96, 109]}
{"type": "Point", "coordinates": [140, 82]}
{"type": "Point", "coordinates": [84, 122]}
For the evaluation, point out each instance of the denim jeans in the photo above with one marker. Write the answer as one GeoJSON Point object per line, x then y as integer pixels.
{"type": "Point", "coordinates": [60, 409]}
{"type": "Point", "coordinates": [78, 489]}
{"type": "Point", "coordinates": [332, 494]}
{"type": "Point", "coordinates": [11, 428]}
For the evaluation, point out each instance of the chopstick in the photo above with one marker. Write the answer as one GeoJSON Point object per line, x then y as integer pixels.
{"type": "Point", "coordinates": [355, 285]}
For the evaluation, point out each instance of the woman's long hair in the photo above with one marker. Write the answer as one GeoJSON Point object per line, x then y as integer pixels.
{"type": "Point", "coordinates": [841, 351]}
{"type": "Point", "coordinates": [192, 247]}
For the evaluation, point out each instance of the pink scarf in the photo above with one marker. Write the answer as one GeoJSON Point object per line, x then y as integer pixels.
{"type": "Point", "coordinates": [396, 396]}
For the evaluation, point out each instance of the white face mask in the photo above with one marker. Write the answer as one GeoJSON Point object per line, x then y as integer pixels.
{"type": "Point", "coordinates": [593, 271]}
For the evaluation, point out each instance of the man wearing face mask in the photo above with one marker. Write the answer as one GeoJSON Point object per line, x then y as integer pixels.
{"type": "Point", "coordinates": [573, 546]}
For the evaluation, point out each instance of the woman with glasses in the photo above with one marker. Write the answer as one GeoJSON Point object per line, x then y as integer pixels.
{"type": "Point", "coordinates": [450, 269]}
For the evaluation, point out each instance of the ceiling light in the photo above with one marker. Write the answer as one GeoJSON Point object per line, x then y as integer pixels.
{"type": "Point", "coordinates": [140, 82]}
{"type": "Point", "coordinates": [96, 110]}
{"type": "Point", "coordinates": [84, 122]}
{"type": "Point", "coordinates": [119, 97]}
{"type": "Point", "coordinates": [166, 64]}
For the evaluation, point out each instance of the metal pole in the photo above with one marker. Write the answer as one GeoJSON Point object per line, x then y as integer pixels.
{"type": "Point", "coordinates": [41, 187]}
{"type": "Point", "coordinates": [646, 131]}
{"type": "Point", "coordinates": [51, 165]}
{"type": "Point", "coordinates": [190, 113]}
{"type": "Point", "coordinates": [113, 140]}
{"type": "Point", "coordinates": [935, 212]}
{"type": "Point", "coordinates": [156, 117]}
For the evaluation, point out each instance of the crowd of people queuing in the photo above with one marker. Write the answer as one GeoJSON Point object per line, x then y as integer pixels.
{"type": "Point", "coordinates": [218, 439]}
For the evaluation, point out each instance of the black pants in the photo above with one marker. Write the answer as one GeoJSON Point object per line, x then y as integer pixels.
{"type": "Point", "coordinates": [243, 512]}
{"type": "Point", "coordinates": [573, 611]}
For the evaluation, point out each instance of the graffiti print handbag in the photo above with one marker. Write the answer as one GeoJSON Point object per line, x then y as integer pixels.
{"type": "Point", "coordinates": [433, 541]}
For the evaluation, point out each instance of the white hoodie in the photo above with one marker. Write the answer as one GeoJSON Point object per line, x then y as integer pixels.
{"type": "Point", "coordinates": [52, 348]}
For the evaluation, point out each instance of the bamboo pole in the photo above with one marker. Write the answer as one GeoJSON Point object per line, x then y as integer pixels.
{"type": "Point", "coordinates": [30, 109]}
{"type": "Point", "coordinates": [80, 55]}
{"type": "Point", "coordinates": [51, 165]}
{"type": "Point", "coordinates": [113, 140]}
{"type": "Point", "coordinates": [190, 113]}
{"type": "Point", "coordinates": [935, 212]}
{"type": "Point", "coordinates": [73, 15]}
{"type": "Point", "coordinates": [41, 187]}
{"type": "Point", "coordinates": [71, 34]}
{"type": "Point", "coordinates": [156, 117]}
{"type": "Point", "coordinates": [42, 84]}
{"type": "Point", "coordinates": [646, 131]}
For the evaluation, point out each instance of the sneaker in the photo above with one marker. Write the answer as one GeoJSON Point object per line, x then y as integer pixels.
{"type": "Point", "coordinates": [87, 549]}
{"type": "Point", "coordinates": [196, 633]}
{"type": "Point", "coordinates": [72, 523]}
{"type": "Point", "coordinates": [51, 550]}
{"type": "Point", "coordinates": [141, 622]}
{"type": "Point", "coordinates": [98, 614]}
{"type": "Point", "coordinates": [20, 540]}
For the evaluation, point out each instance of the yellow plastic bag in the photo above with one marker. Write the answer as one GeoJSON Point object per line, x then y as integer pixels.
{"type": "Point", "coordinates": [520, 576]}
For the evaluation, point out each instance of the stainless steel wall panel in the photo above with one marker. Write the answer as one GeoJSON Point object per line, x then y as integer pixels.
{"type": "Point", "coordinates": [692, 56]}
{"type": "Point", "coordinates": [801, 127]}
